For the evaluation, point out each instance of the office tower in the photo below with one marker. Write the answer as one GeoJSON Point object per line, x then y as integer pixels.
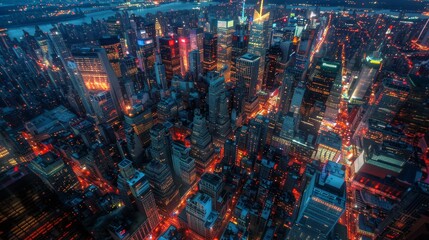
{"type": "Point", "coordinates": [247, 79]}
{"type": "Point", "coordinates": [260, 37]}
{"type": "Point", "coordinates": [241, 141]}
{"type": "Point", "coordinates": [134, 189]}
{"type": "Point", "coordinates": [196, 36]}
{"type": "Point", "coordinates": [29, 209]}
{"type": "Point", "coordinates": [286, 94]}
{"type": "Point", "coordinates": [138, 122]}
{"type": "Point", "coordinates": [66, 59]}
{"type": "Point", "coordinates": [167, 109]}
{"type": "Point", "coordinates": [225, 30]}
{"type": "Point", "coordinates": [322, 204]}
{"type": "Point", "coordinates": [230, 151]}
{"type": "Point", "coordinates": [160, 74]}
{"type": "Point", "coordinates": [302, 59]}
{"type": "Point", "coordinates": [359, 87]}
{"type": "Point", "coordinates": [408, 218]}
{"type": "Point", "coordinates": [200, 216]}
{"type": "Point", "coordinates": [97, 73]}
{"type": "Point", "coordinates": [216, 83]}
{"type": "Point", "coordinates": [195, 64]}
{"type": "Point", "coordinates": [212, 185]}
{"type": "Point", "coordinates": [240, 41]}
{"type": "Point", "coordinates": [296, 102]}
{"type": "Point", "coordinates": [146, 55]}
{"type": "Point", "coordinates": [103, 106]}
{"type": "Point", "coordinates": [258, 128]}
{"type": "Point", "coordinates": [183, 164]}
{"type": "Point", "coordinates": [317, 93]}
{"type": "Point", "coordinates": [328, 145]}
{"type": "Point", "coordinates": [210, 52]}
{"type": "Point", "coordinates": [113, 48]}
{"type": "Point", "coordinates": [391, 95]}
{"type": "Point", "coordinates": [52, 170]}
{"type": "Point", "coordinates": [170, 55]}
{"type": "Point", "coordinates": [289, 126]}
{"type": "Point", "coordinates": [185, 49]}
{"type": "Point", "coordinates": [273, 67]}
{"type": "Point", "coordinates": [161, 181]}
{"type": "Point", "coordinates": [202, 148]}
{"type": "Point", "coordinates": [160, 146]}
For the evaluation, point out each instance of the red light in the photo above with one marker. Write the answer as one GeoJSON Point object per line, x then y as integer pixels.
{"type": "Point", "coordinates": [183, 40]}
{"type": "Point", "coordinates": [171, 42]}
{"type": "Point", "coordinates": [15, 169]}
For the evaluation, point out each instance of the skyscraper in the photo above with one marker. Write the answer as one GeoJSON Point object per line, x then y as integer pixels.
{"type": "Point", "coordinates": [138, 122]}
{"type": "Point", "coordinates": [317, 93]}
{"type": "Point", "coordinates": [183, 163]}
{"type": "Point", "coordinates": [113, 48]}
{"type": "Point", "coordinates": [202, 148]}
{"type": "Point", "coordinates": [247, 79]}
{"type": "Point", "coordinates": [135, 188]}
{"type": "Point", "coordinates": [160, 147]}
{"type": "Point", "coordinates": [195, 64]}
{"type": "Point", "coordinates": [323, 202]}
{"type": "Point", "coordinates": [200, 216]}
{"type": "Point", "coordinates": [170, 55]}
{"type": "Point", "coordinates": [52, 170]}
{"type": "Point", "coordinates": [260, 36]}
{"type": "Point", "coordinates": [210, 52]}
{"type": "Point", "coordinates": [225, 30]}
{"type": "Point", "coordinates": [216, 83]}
{"type": "Point", "coordinates": [161, 181]}
{"type": "Point", "coordinates": [97, 73]}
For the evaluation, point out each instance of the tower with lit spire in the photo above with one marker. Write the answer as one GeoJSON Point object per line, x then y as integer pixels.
{"type": "Point", "coordinates": [260, 37]}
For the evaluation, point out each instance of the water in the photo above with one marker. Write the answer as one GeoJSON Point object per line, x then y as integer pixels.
{"type": "Point", "coordinates": [17, 32]}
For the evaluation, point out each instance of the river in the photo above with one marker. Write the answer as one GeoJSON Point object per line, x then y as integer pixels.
{"type": "Point", "coordinates": [17, 32]}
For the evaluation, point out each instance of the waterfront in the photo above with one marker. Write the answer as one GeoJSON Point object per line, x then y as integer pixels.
{"type": "Point", "coordinates": [17, 32]}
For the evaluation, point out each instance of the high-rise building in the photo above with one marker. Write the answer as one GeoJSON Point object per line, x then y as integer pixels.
{"type": "Point", "coordinates": [322, 204]}
{"type": "Point", "coordinates": [185, 49]}
{"type": "Point", "coordinates": [200, 216]}
{"type": "Point", "coordinates": [209, 52]}
{"type": "Point", "coordinates": [317, 93]}
{"type": "Point", "coordinates": [161, 181]}
{"type": "Point", "coordinates": [52, 170]}
{"type": "Point", "coordinates": [160, 74]}
{"type": "Point", "coordinates": [247, 79]}
{"type": "Point", "coordinates": [65, 57]}
{"type": "Point", "coordinates": [202, 148]}
{"type": "Point", "coordinates": [225, 30]}
{"type": "Point", "coordinates": [183, 163]}
{"type": "Point", "coordinates": [219, 121]}
{"type": "Point", "coordinates": [160, 147]}
{"type": "Point", "coordinates": [138, 122]}
{"type": "Point", "coordinates": [103, 106]}
{"type": "Point", "coordinates": [260, 37]}
{"type": "Point", "coordinates": [146, 55]}
{"type": "Point", "coordinates": [258, 128]}
{"type": "Point", "coordinates": [409, 217]}
{"type": "Point", "coordinates": [170, 55]}
{"type": "Point", "coordinates": [212, 185]}
{"type": "Point", "coordinates": [113, 48]}
{"type": "Point", "coordinates": [134, 189]}
{"type": "Point", "coordinates": [392, 94]}
{"type": "Point", "coordinates": [97, 73]}
{"type": "Point", "coordinates": [195, 64]}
